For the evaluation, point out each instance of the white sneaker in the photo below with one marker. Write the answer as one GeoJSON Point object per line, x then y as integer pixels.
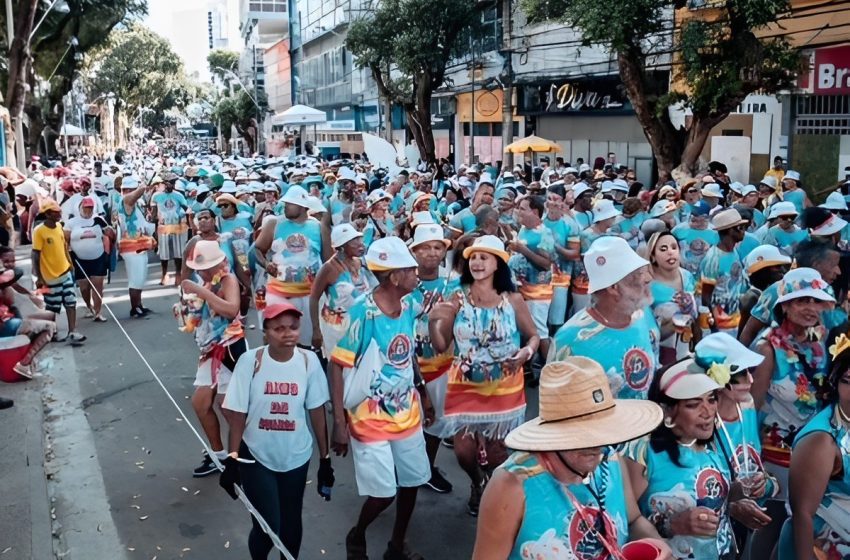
{"type": "Point", "coordinates": [76, 338]}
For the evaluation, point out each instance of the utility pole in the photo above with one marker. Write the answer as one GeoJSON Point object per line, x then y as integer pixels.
{"type": "Point", "coordinates": [508, 81]}
{"type": "Point", "coordinates": [472, 111]}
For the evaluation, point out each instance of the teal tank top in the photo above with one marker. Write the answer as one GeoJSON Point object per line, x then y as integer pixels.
{"type": "Point", "coordinates": [551, 527]}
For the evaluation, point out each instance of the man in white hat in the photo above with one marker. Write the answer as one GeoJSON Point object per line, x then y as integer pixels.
{"type": "Point", "coordinates": [604, 216]}
{"type": "Point", "coordinates": [617, 330]}
{"type": "Point", "coordinates": [168, 210]}
{"type": "Point", "coordinates": [429, 247]}
{"type": "Point", "coordinates": [722, 273]}
{"type": "Point", "coordinates": [791, 191]}
{"type": "Point", "coordinates": [533, 252]}
{"type": "Point", "coordinates": [786, 234]}
{"type": "Point", "coordinates": [292, 249]}
{"type": "Point", "coordinates": [383, 416]}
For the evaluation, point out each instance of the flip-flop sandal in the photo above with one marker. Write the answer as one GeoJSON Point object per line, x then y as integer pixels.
{"type": "Point", "coordinates": [99, 319]}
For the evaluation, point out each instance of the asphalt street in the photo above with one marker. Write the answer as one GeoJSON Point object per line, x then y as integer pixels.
{"type": "Point", "coordinates": [122, 458]}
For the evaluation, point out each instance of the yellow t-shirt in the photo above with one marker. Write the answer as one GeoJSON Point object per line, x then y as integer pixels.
{"type": "Point", "coordinates": [778, 173]}
{"type": "Point", "coordinates": [50, 242]}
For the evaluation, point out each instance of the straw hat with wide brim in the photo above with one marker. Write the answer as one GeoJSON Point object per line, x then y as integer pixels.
{"type": "Point", "coordinates": [578, 411]}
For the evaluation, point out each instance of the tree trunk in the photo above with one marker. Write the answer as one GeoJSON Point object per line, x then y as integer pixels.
{"type": "Point", "coordinates": [422, 118]}
{"type": "Point", "coordinates": [19, 59]}
{"type": "Point", "coordinates": [667, 142]}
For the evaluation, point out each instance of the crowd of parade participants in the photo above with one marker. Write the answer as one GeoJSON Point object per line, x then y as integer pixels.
{"type": "Point", "coordinates": [686, 341]}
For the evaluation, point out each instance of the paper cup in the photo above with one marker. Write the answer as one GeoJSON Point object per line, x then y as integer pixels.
{"type": "Point", "coordinates": [640, 550]}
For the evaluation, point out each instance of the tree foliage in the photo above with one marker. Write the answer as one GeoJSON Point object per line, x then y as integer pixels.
{"type": "Point", "coordinates": [715, 54]}
{"type": "Point", "coordinates": [220, 60]}
{"type": "Point", "coordinates": [407, 45]}
{"type": "Point", "coordinates": [238, 111]}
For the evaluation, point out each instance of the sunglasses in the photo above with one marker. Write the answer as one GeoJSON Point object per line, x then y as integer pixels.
{"type": "Point", "coordinates": [787, 218]}
{"type": "Point", "coordinates": [692, 191]}
{"type": "Point", "coordinates": [225, 205]}
{"type": "Point", "coordinates": [742, 227]}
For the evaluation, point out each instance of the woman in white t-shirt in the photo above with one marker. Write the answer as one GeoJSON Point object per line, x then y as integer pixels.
{"type": "Point", "coordinates": [269, 397]}
{"type": "Point", "coordinates": [90, 238]}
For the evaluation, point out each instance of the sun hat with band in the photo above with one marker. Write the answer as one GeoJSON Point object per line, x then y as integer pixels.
{"type": "Point", "coordinates": [835, 201]}
{"type": "Point", "coordinates": [608, 260]}
{"type": "Point", "coordinates": [487, 244]}
{"type": "Point", "coordinates": [803, 282]}
{"type": "Point", "coordinates": [764, 256]}
{"type": "Point", "coordinates": [721, 356]}
{"type": "Point", "coordinates": [428, 232]}
{"type": "Point", "coordinates": [205, 255]}
{"type": "Point", "coordinates": [578, 411]}
{"type": "Point", "coordinates": [389, 253]}
{"type": "Point", "coordinates": [711, 190]}
{"type": "Point", "coordinates": [342, 234]}
{"type": "Point", "coordinates": [727, 219]}
{"type": "Point", "coordinates": [686, 380]}
{"type": "Point", "coordinates": [662, 207]}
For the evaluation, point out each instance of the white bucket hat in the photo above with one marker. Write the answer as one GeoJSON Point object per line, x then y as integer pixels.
{"type": "Point", "coordinates": [228, 187]}
{"type": "Point", "coordinates": [835, 201]}
{"type": "Point", "coordinates": [737, 188]}
{"type": "Point", "coordinates": [782, 209]}
{"type": "Point", "coordinates": [620, 185]}
{"type": "Point", "coordinates": [342, 234]}
{"type": "Point", "coordinates": [712, 190]}
{"type": "Point", "coordinates": [608, 260]}
{"type": "Point", "coordinates": [791, 174]}
{"type": "Point", "coordinates": [428, 232]}
{"type": "Point", "coordinates": [580, 189]}
{"type": "Point", "coordinates": [376, 196]}
{"type": "Point", "coordinates": [803, 282]}
{"type": "Point", "coordinates": [298, 196]}
{"type": "Point", "coordinates": [764, 256]}
{"type": "Point", "coordinates": [682, 381]}
{"type": "Point", "coordinates": [389, 253]}
{"type": "Point", "coordinates": [830, 226]}
{"type": "Point", "coordinates": [768, 181]}
{"type": "Point", "coordinates": [725, 349]}
{"type": "Point", "coordinates": [748, 189]}
{"type": "Point", "coordinates": [421, 218]}
{"type": "Point", "coordinates": [727, 219]}
{"type": "Point", "coordinates": [604, 209]}
{"type": "Point", "coordinates": [205, 255]}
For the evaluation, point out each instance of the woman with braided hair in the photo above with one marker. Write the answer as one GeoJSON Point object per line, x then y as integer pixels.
{"type": "Point", "coordinates": [562, 494]}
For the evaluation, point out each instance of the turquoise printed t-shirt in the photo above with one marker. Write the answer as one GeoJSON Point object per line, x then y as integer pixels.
{"type": "Point", "coordinates": [534, 283]}
{"type": "Point", "coordinates": [797, 197]}
{"type": "Point", "coordinates": [725, 271]}
{"type": "Point", "coordinates": [551, 527]}
{"type": "Point", "coordinates": [240, 220]}
{"type": "Point", "coordinates": [463, 220]}
{"type": "Point", "coordinates": [391, 411]}
{"type": "Point", "coordinates": [785, 240]}
{"type": "Point", "coordinates": [702, 480]}
{"type": "Point", "coordinates": [297, 252]}
{"type": "Point", "coordinates": [583, 219]}
{"type": "Point", "coordinates": [171, 211]}
{"type": "Point", "coordinates": [562, 232]}
{"type": "Point", "coordinates": [629, 229]}
{"type": "Point", "coordinates": [629, 356]}
{"type": "Point", "coordinates": [370, 232]}
{"type": "Point", "coordinates": [694, 245]}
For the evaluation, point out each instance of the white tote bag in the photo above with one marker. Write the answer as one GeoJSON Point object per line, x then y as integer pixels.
{"type": "Point", "coordinates": [357, 381]}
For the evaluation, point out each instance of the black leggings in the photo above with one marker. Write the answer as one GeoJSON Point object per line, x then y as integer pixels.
{"type": "Point", "coordinates": [278, 497]}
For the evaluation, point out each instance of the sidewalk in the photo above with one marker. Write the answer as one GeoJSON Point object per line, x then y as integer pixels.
{"type": "Point", "coordinates": [25, 525]}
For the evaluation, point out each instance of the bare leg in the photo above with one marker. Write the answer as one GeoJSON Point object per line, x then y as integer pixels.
{"type": "Point", "coordinates": [97, 291]}
{"type": "Point", "coordinates": [466, 451]}
{"type": "Point", "coordinates": [164, 265]}
{"type": "Point", "coordinates": [72, 318]}
{"type": "Point", "coordinates": [432, 445]}
{"type": "Point", "coordinates": [403, 512]}
{"type": "Point", "coordinates": [372, 508]}
{"type": "Point", "coordinates": [178, 268]}
{"type": "Point", "coordinates": [202, 402]}
{"type": "Point", "coordinates": [85, 292]}
{"type": "Point", "coordinates": [35, 347]}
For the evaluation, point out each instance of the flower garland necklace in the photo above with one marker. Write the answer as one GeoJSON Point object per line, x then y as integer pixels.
{"type": "Point", "coordinates": [809, 352]}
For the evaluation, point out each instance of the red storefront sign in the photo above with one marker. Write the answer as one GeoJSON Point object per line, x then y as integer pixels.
{"type": "Point", "coordinates": [832, 71]}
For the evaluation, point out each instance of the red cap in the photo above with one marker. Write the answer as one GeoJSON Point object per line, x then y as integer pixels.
{"type": "Point", "coordinates": [273, 311]}
{"type": "Point", "coordinates": [87, 203]}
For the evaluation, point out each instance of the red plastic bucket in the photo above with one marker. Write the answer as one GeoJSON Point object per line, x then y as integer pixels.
{"type": "Point", "coordinates": [12, 349]}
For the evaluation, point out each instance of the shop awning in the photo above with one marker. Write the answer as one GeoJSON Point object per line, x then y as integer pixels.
{"type": "Point", "coordinates": [532, 144]}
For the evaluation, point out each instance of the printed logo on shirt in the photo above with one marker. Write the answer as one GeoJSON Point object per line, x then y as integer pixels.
{"type": "Point", "coordinates": [398, 351]}
{"type": "Point", "coordinates": [584, 539]}
{"type": "Point", "coordinates": [711, 488]}
{"type": "Point", "coordinates": [296, 243]}
{"type": "Point", "coordinates": [637, 369]}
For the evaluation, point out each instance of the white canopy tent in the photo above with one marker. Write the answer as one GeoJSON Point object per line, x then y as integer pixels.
{"type": "Point", "coordinates": [301, 116]}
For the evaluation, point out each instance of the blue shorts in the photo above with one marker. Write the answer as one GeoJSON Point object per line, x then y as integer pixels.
{"type": "Point", "coordinates": [10, 327]}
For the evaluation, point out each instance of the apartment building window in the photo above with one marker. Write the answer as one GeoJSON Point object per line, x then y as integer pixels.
{"type": "Point", "coordinates": [267, 6]}
{"type": "Point", "coordinates": [823, 114]}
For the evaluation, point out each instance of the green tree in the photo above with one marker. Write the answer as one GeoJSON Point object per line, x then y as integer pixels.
{"type": "Point", "coordinates": [715, 52]}
{"type": "Point", "coordinates": [407, 45]}
{"type": "Point", "coordinates": [141, 69]}
{"type": "Point", "coordinates": [220, 61]}
{"type": "Point", "coordinates": [239, 111]}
